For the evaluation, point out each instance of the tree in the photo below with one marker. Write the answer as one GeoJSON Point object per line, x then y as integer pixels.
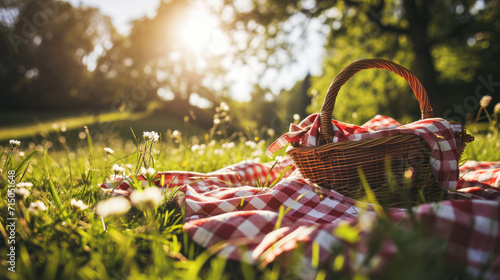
{"type": "Point", "coordinates": [46, 46]}
{"type": "Point", "coordinates": [294, 101]}
{"type": "Point", "coordinates": [155, 61]}
{"type": "Point", "coordinates": [447, 44]}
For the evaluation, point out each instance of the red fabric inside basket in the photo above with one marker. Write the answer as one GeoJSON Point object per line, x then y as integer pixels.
{"type": "Point", "coordinates": [438, 133]}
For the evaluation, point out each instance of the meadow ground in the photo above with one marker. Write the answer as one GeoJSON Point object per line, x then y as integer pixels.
{"type": "Point", "coordinates": [65, 240]}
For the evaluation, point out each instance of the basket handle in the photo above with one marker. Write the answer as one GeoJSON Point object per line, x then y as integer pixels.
{"type": "Point", "coordinates": [344, 75]}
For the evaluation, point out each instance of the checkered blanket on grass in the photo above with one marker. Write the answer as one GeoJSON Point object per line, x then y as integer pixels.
{"type": "Point", "coordinates": [227, 213]}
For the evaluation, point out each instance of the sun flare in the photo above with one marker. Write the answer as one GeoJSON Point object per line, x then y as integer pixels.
{"type": "Point", "coordinates": [198, 29]}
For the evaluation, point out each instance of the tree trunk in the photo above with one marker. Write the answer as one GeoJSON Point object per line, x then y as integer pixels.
{"type": "Point", "coordinates": [418, 19]}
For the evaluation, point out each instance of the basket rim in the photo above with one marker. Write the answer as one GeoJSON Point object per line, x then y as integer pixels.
{"type": "Point", "coordinates": [349, 144]}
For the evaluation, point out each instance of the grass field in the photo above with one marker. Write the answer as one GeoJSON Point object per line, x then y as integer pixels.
{"type": "Point", "coordinates": [62, 242]}
{"type": "Point", "coordinates": [32, 125]}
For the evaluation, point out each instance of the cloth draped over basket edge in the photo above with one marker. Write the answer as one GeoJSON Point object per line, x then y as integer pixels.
{"type": "Point", "coordinates": [224, 211]}
{"type": "Point", "coordinates": [437, 133]}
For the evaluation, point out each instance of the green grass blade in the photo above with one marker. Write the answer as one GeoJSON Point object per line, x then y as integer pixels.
{"type": "Point", "coordinates": [91, 147]}
{"type": "Point", "coordinates": [25, 160]}
{"type": "Point", "coordinates": [370, 195]}
{"type": "Point", "coordinates": [52, 187]}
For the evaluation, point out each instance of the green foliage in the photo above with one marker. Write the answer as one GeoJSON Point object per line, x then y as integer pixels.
{"type": "Point", "coordinates": [295, 101]}
{"type": "Point", "coordinates": [42, 54]}
{"type": "Point", "coordinates": [76, 59]}
{"type": "Point", "coordinates": [485, 146]}
{"type": "Point", "coordinates": [448, 45]}
{"type": "Point", "coordinates": [368, 93]}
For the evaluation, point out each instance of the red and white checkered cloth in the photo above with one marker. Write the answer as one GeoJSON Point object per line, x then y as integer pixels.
{"type": "Point", "coordinates": [480, 179]}
{"type": "Point", "coordinates": [437, 133]}
{"type": "Point", "coordinates": [227, 213]}
{"type": "Point", "coordinates": [246, 173]}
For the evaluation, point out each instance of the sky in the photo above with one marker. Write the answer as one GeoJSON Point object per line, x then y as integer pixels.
{"type": "Point", "coordinates": [122, 11]}
{"type": "Point", "coordinates": [308, 59]}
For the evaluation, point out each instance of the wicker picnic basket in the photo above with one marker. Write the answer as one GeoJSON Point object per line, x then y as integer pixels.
{"type": "Point", "coordinates": [335, 165]}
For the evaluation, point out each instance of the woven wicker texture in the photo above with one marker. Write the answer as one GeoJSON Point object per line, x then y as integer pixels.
{"type": "Point", "coordinates": [395, 167]}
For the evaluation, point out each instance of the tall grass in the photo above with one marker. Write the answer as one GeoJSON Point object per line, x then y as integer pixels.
{"type": "Point", "coordinates": [63, 242]}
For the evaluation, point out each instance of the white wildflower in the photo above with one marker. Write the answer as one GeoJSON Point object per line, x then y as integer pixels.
{"type": "Point", "coordinates": [150, 198]}
{"type": "Point", "coordinates": [21, 154]}
{"type": "Point", "coordinates": [59, 126]}
{"type": "Point", "coordinates": [366, 220]}
{"type": "Point", "coordinates": [22, 193]}
{"type": "Point", "coordinates": [117, 169]}
{"type": "Point", "coordinates": [36, 207]}
{"type": "Point", "coordinates": [271, 132]}
{"type": "Point", "coordinates": [211, 143]}
{"type": "Point", "coordinates": [224, 106]}
{"type": "Point", "coordinates": [496, 110]}
{"type": "Point", "coordinates": [227, 118]}
{"type": "Point", "coordinates": [257, 153]}
{"type": "Point", "coordinates": [228, 145]}
{"type": "Point", "coordinates": [150, 136]}
{"type": "Point", "coordinates": [485, 101]}
{"type": "Point", "coordinates": [148, 173]}
{"type": "Point", "coordinates": [218, 152]}
{"type": "Point", "coordinates": [109, 151]}
{"type": "Point", "coordinates": [27, 185]}
{"type": "Point", "coordinates": [78, 204]}
{"type": "Point", "coordinates": [216, 121]}
{"type": "Point", "coordinates": [115, 206]}
{"type": "Point", "coordinates": [296, 117]}
{"type": "Point", "coordinates": [251, 144]}
{"type": "Point", "coordinates": [48, 144]}
{"type": "Point", "coordinates": [195, 147]}
{"type": "Point", "coordinates": [15, 143]}
{"type": "Point", "coordinates": [279, 159]}
{"type": "Point", "coordinates": [176, 133]}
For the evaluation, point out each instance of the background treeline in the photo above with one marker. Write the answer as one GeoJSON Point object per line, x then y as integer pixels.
{"type": "Point", "coordinates": [58, 57]}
